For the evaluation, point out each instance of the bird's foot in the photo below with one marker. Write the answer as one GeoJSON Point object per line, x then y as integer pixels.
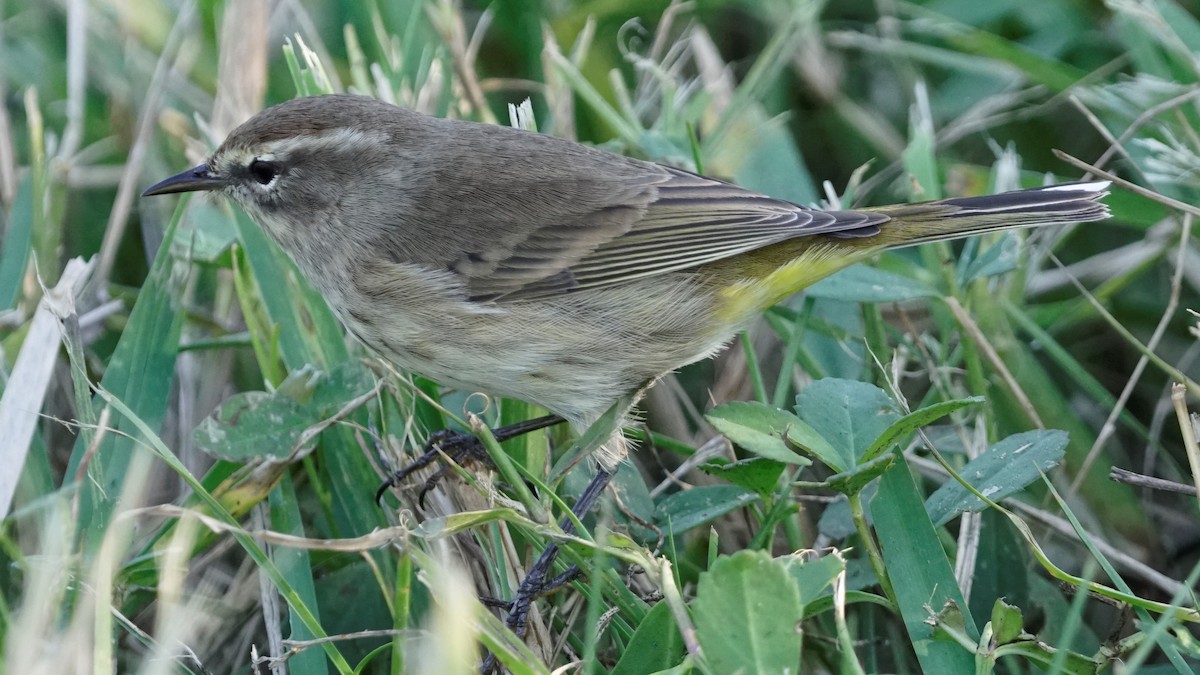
{"type": "Point", "coordinates": [462, 448]}
{"type": "Point", "coordinates": [535, 583]}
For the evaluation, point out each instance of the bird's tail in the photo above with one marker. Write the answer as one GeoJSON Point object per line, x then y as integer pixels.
{"type": "Point", "coordinates": [910, 224]}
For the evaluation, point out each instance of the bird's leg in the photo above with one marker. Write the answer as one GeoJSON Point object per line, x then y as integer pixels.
{"type": "Point", "coordinates": [535, 583]}
{"type": "Point", "coordinates": [462, 448]}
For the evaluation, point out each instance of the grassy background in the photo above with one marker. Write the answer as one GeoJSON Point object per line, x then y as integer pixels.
{"type": "Point", "coordinates": [147, 536]}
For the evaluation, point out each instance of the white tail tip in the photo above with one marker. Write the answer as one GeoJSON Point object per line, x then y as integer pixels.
{"type": "Point", "coordinates": [1090, 186]}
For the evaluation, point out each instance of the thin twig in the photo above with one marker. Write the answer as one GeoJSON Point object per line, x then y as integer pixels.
{"type": "Point", "coordinates": [269, 601]}
{"type": "Point", "coordinates": [972, 328]}
{"type": "Point", "coordinates": [1122, 183]}
{"type": "Point", "coordinates": [1128, 336]}
{"type": "Point", "coordinates": [1187, 429]}
{"type": "Point", "coordinates": [1128, 477]}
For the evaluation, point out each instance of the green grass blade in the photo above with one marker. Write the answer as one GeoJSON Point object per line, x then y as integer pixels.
{"type": "Point", "coordinates": [921, 575]}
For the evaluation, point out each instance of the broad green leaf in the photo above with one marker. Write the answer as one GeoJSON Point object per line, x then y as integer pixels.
{"type": "Point", "coordinates": [1001, 470]}
{"type": "Point", "coordinates": [257, 425]}
{"type": "Point", "coordinates": [913, 421]}
{"type": "Point", "coordinates": [347, 381]}
{"type": "Point", "coordinates": [810, 441]}
{"type": "Point", "coordinates": [836, 522]}
{"type": "Point", "coordinates": [759, 428]}
{"type": "Point", "coordinates": [756, 473]}
{"type": "Point", "coordinates": [862, 283]}
{"type": "Point", "coordinates": [662, 148]}
{"type": "Point", "coordinates": [627, 485]}
{"type": "Point", "coordinates": [630, 490]}
{"type": "Point", "coordinates": [682, 511]}
{"type": "Point", "coordinates": [747, 612]}
{"type": "Point", "coordinates": [1001, 567]}
{"type": "Point", "coordinates": [1007, 623]}
{"type": "Point", "coordinates": [849, 415]}
{"type": "Point", "coordinates": [656, 645]}
{"type": "Point", "coordinates": [814, 578]}
{"type": "Point", "coordinates": [251, 426]}
{"type": "Point", "coordinates": [919, 156]}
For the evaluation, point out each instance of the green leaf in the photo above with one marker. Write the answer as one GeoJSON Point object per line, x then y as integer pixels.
{"type": "Point", "coordinates": [814, 578]}
{"type": "Point", "coordinates": [444, 526]}
{"type": "Point", "coordinates": [140, 374]}
{"type": "Point", "coordinates": [627, 486]}
{"type": "Point", "coordinates": [999, 258]}
{"type": "Point", "coordinates": [915, 420]}
{"type": "Point", "coordinates": [774, 166]}
{"type": "Point", "coordinates": [854, 481]}
{"type": "Point", "coordinates": [295, 565]}
{"type": "Point", "coordinates": [299, 385]}
{"type": "Point", "coordinates": [684, 510]}
{"type": "Point", "coordinates": [656, 645]}
{"type": "Point", "coordinates": [806, 438]}
{"type": "Point", "coordinates": [1007, 623]}
{"type": "Point", "coordinates": [309, 334]}
{"type": "Point", "coordinates": [255, 425]}
{"type": "Point", "coordinates": [747, 613]}
{"type": "Point", "coordinates": [252, 426]}
{"type": "Point", "coordinates": [759, 428]}
{"type": "Point", "coordinates": [1056, 75]}
{"type": "Point", "coordinates": [600, 432]}
{"type": "Point", "coordinates": [921, 574]}
{"type": "Point", "coordinates": [18, 242]}
{"type": "Point", "coordinates": [849, 415]}
{"type": "Point", "coordinates": [210, 238]}
{"type": "Point", "coordinates": [836, 522]}
{"type": "Point", "coordinates": [1001, 569]}
{"type": "Point", "coordinates": [347, 381]}
{"type": "Point", "coordinates": [919, 156]}
{"type": "Point", "coordinates": [1001, 470]}
{"type": "Point", "coordinates": [756, 473]}
{"type": "Point", "coordinates": [825, 602]}
{"type": "Point", "coordinates": [862, 283]}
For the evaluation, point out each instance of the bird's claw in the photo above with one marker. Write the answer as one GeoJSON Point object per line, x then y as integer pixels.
{"type": "Point", "coordinates": [461, 448]}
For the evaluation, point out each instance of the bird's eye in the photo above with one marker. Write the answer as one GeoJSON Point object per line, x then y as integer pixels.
{"type": "Point", "coordinates": [263, 171]}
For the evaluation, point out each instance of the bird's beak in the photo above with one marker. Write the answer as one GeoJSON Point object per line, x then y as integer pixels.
{"type": "Point", "coordinates": [192, 180]}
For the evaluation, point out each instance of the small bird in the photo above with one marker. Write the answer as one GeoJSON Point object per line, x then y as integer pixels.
{"type": "Point", "coordinates": [493, 259]}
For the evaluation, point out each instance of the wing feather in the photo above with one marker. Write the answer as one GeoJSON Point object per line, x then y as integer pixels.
{"type": "Point", "coordinates": [693, 221]}
{"type": "Point", "coordinates": [575, 218]}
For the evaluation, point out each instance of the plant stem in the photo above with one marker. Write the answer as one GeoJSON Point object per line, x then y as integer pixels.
{"type": "Point", "coordinates": [868, 541]}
